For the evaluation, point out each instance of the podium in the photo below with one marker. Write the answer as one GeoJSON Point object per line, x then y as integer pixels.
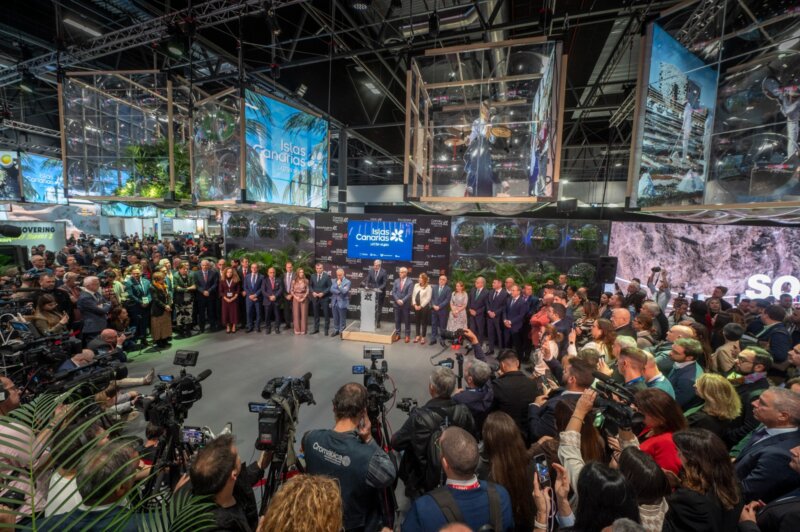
{"type": "Point", "coordinates": [369, 306]}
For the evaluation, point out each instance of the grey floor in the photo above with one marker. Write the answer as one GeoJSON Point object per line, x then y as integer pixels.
{"type": "Point", "coordinates": [242, 363]}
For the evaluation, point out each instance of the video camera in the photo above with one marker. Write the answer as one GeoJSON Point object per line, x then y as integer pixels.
{"type": "Point", "coordinates": [374, 378]}
{"type": "Point", "coordinates": [614, 405]}
{"type": "Point", "coordinates": [407, 404]}
{"type": "Point", "coordinates": [276, 416]}
{"type": "Point", "coordinates": [172, 397]}
{"type": "Point", "coordinates": [454, 337]}
{"type": "Point", "coordinates": [86, 380]}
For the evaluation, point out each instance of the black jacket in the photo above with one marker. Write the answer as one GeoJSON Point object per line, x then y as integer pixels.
{"type": "Point", "coordinates": [513, 392]}
{"type": "Point", "coordinates": [690, 510]}
{"type": "Point", "coordinates": [479, 402]}
{"type": "Point", "coordinates": [746, 422]}
{"type": "Point", "coordinates": [781, 515]}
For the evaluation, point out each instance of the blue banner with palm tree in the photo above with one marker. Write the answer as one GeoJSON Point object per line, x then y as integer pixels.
{"type": "Point", "coordinates": [287, 154]}
{"type": "Point", "coordinates": [42, 179]}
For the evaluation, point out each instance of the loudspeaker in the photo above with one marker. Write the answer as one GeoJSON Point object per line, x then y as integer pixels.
{"type": "Point", "coordinates": [606, 270]}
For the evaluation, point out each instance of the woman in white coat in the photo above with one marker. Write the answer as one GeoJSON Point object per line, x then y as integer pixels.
{"type": "Point", "coordinates": [421, 300]}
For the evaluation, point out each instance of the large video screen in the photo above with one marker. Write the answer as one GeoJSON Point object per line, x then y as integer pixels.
{"type": "Point", "coordinates": [287, 153]}
{"type": "Point", "coordinates": [42, 179]}
{"type": "Point", "coordinates": [380, 240]}
{"type": "Point", "coordinates": [9, 176]}
{"type": "Point", "coordinates": [677, 123]}
{"type": "Point", "coordinates": [754, 261]}
{"type": "Point", "coordinates": [127, 211]}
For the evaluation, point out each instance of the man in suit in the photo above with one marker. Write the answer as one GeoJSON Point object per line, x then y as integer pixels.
{"type": "Point", "coordinates": [94, 308]}
{"type": "Point", "coordinates": [340, 299]}
{"type": "Point", "coordinates": [513, 390]}
{"type": "Point", "coordinates": [206, 279]}
{"type": "Point", "coordinates": [563, 283]}
{"type": "Point", "coordinates": [577, 378]}
{"type": "Point", "coordinates": [621, 320]}
{"type": "Point", "coordinates": [761, 465]}
{"type": "Point", "coordinates": [513, 317]}
{"type": "Point", "coordinates": [401, 301]}
{"type": "Point", "coordinates": [686, 371]}
{"type": "Point", "coordinates": [782, 514]}
{"type": "Point", "coordinates": [376, 279]}
{"type": "Point", "coordinates": [532, 304]}
{"type": "Point", "coordinates": [478, 301]}
{"type": "Point", "coordinates": [440, 304]}
{"type": "Point", "coordinates": [242, 270]}
{"type": "Point", "coordinates": [320, 286]}
{"type": "Point", "coordinates": [137, 304]}
{"type": "Point", "coordinates": [253, 283]}
{"type": "Point", "coordinates": [563, 325]}
{"type": "Point", "coordinates": [288, 277]}
{"type": "Point", "coordinates": [495, 312]}
{"type": "Point", "coordinates": [752, 364]}
{"type": "Point", "coordinates": [271, 295]}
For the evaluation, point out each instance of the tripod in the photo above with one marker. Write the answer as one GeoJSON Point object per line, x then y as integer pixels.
{"type": "Point", "coordinates": [171, 460]}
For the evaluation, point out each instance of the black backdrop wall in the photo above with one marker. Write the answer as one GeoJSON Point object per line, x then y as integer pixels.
{"type": "Point", "coordinates": [431, 252]}
{"type": "Point", "coordinates": [441, 243]}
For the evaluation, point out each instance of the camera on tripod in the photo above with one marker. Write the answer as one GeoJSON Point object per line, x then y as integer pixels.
{"type": "Point", "coordinates": [278, 414]}
{"type": "Point", "coordinates": [374, 378]}
{"type": "Point", "coordinates": [86, 380]}
{"type": "Point", "coordinates": [454, 337]}
{"type": "Point", "coordinates": [172, 397]}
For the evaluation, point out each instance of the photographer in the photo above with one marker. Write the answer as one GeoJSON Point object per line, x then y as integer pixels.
{"type": "Point", "coordinates": [423, 423]}
{"type": "Point", "coordinates": [349, 454]}
{"type": "Point", "coordinates": [478, 394]}
{"type": "Point", "coordinates": [662, 294]}
{"type": "Point", "coordinates": [218, 471]}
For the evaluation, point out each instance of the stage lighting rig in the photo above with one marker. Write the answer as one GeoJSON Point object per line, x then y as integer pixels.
{"type": "Point", "coordinates": [360, 5]}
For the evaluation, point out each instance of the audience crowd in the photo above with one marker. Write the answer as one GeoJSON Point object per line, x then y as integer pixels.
{"type": "Point", "coordinates": [709, 391]}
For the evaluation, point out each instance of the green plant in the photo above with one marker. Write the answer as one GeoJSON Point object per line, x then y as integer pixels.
{"type": "Point", "coordinates": [29, 429]}
{"type": "Point", "coordinates": [507, 237]}
{"type": "Point", "coordinates": [587, 239]}
{"type": "Point", "coordinates": [470, 235]}
{"type": "Point", "coordinates": [546, 237]}
{"type": "Point", "coordinates": [267, 227]}
{"type": "Point", "coordinates": [582, 272]}
{"type": "Point", "coordinates": [505, 269]}
{"type": "Point", "coordinates": [149, 176]}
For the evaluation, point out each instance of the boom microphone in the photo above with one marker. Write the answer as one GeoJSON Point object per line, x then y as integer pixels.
{"type": "Point", "coordinates": [203, 375]}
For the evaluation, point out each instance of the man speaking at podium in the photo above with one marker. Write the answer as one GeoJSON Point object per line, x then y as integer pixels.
{"type": "Point", "coordinates": [376, 280]}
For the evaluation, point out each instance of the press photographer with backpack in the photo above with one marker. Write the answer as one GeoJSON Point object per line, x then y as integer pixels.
{"type": "Point", "coordinates": [420, 468]}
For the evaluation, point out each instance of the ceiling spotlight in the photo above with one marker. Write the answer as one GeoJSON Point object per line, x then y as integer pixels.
{"type": "Point", "coordinates": [77, 24]}
{"type": "Point", "coordinates": [301, 90]}
{"type": "Point", "coordinates": [433, 24]}
{"type": "Point", "coordinates": [28, 83]}
{"type": "Point", "coordinates": [360, 5]}
{"type": "Point", "coordinates": [175, 47]}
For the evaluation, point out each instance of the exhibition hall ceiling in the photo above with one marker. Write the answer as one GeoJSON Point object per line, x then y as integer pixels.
{"type": "Point", "coordinates": [355, 73]}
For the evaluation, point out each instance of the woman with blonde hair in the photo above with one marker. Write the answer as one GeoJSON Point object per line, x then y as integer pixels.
{"type": "Point", "coordinates": [304, 503]}
{"type": "Point", "coordinates": [721, 404]}
{"type": "Point", "coordinates": [421, 299]}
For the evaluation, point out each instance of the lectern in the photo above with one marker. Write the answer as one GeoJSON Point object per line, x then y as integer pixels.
{"type": "Point", "coordinates": [369, 306]}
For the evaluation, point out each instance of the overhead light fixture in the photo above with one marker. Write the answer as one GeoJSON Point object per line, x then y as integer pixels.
{"type": "Point", "coordinates": [433, 25]}
{"type": "Point", "coordinates": [78, 25]}
{"type": "Point", "coordinates": [301, 90]}
{"type": "Point", "coordinates": [27, 83]}
{"type": "Point", "coordinates": [372, 88]}
{"type": "Point", "coordinates": [360, 5]}
{"type": "Point", "coordinates": [175, 47]}
{"type": "Point", "coordinates": [368, 161]}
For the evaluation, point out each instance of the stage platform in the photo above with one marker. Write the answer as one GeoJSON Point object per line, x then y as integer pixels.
{"type": "Point", "coordinates": [353, 333]}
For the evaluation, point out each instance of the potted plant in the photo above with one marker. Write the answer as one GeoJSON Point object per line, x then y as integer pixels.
{"type": "Point", "coordinates": [267, 227]}
{"type": "Point", "coordinates": [470, 235]}
{"type": "Point", "coordinates": [506, 237]}
{"type": "Point", "coordinates": [546, 237]}
{"type": "Point", "coordinates": [238, 226]}
{"type": "Point", "coordinates": [587, 239]}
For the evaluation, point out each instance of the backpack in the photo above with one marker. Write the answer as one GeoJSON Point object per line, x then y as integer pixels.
{"type": "Point", "coordinates": [437, 419]}
{"type": "Point", "coordinates": [452, 513]}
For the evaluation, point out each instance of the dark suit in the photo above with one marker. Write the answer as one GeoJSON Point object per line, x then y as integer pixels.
{"type": "Point", "coordinates": [515, 313]}
{"type": "Point", "coordinates": [94, 309]}
{"type": "Point", "coordinates": [563, 327]}
{"type": "Point", "coordinates": [478, 303]}
{"type": "Point", "coordinates": [513, 392]}
{"type": "Point", "coordinates": [402, 313]}
{"type": "Point", "coordinates": [763, 467]}
{"type": "Point", "coordinates": [682, 380]}
{"type": "Point", "coordinates": [96, 521]}
{"type": "Point", "coordinates": [272, 287]}
{"type": "Point", "coordinates": [253, 308]}
{"type": "Point", "coordinates": [377, 281]}
{"type": "Point", "coordinates": [206, 305]}
{"type": "Point", "coordinates": [321, 284]}
{"type": "Point", "coordinates": [440, 297]}
{"type": "Point", "coordinates": [691, 510]}
{"type": "Point", "coordinates": [287, 279]}
{"type": "Point", "coordinates": [542, 419]}
{"type": "Point", "coordinates": [781, 515]}
{"type": "Point", "coordinates": [746, 422]}
{"type": "Point", "coordinates": [496, 329]}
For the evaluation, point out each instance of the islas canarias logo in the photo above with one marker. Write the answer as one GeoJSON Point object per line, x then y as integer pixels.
{"type": "Point", "coordinates": [396, 236]}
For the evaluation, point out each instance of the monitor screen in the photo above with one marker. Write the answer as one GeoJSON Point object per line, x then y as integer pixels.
{"type": "Point", "coordinates": [380, 240]}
